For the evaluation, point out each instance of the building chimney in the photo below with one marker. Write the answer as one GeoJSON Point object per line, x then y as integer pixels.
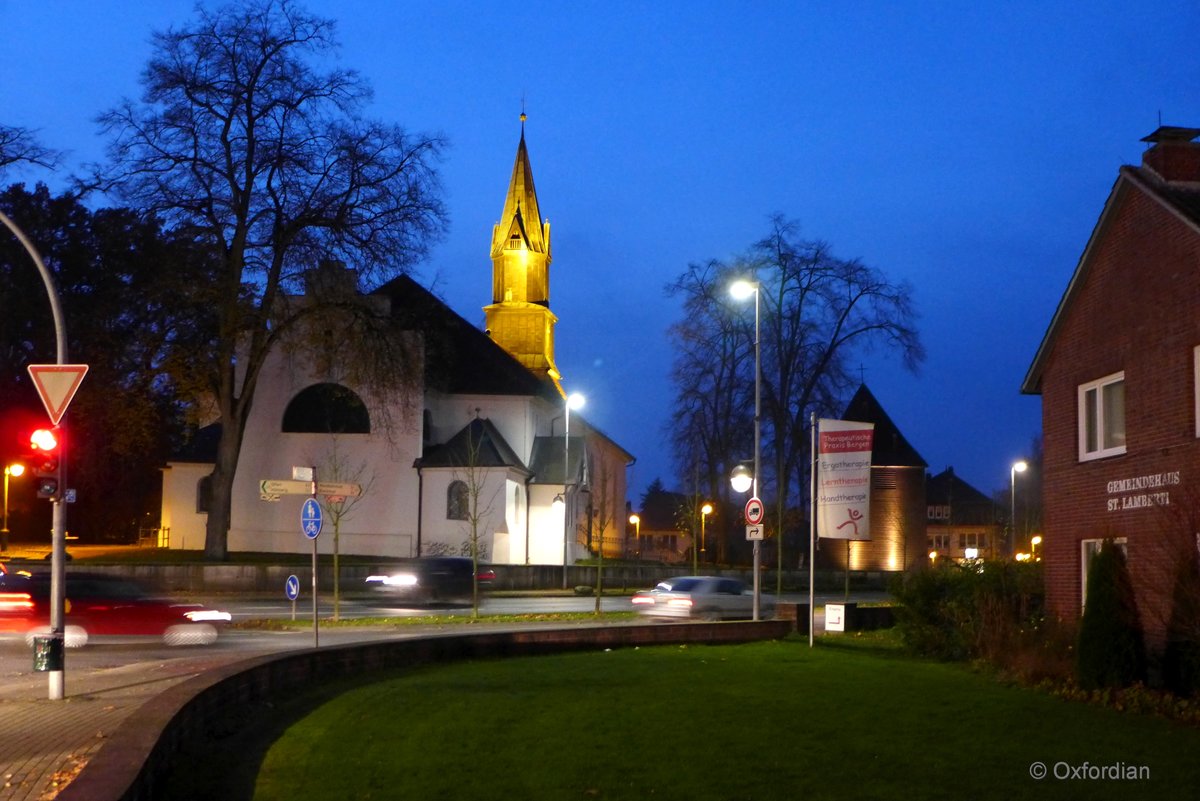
{"type": "Point", "coordinates": [1172, 155]}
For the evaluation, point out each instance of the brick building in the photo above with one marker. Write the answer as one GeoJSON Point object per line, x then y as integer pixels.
{"type": "Point", "coordinates": [1118, 373]}
{"type": "Point", "coordinates": [898, 538]}
{"type": "Point", "coordinates": [961, 522]}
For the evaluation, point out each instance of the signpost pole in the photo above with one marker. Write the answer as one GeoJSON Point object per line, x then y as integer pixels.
{"type": "Point", "coordinates": [316, 634]}
{"type": "Point", "coordinates": [58, 514]}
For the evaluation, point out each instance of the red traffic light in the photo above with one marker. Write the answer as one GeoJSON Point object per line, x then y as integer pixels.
{"type": "Point", "coordinates": [43, 440]}
{"type": "Point", "coordinates": [43, 446]}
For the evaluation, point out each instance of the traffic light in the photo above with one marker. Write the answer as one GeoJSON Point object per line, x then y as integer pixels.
{"type": "Point", "coordinates": [43, 460]}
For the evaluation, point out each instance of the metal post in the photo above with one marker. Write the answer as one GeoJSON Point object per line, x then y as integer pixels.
{"type": "Point", "coordinates": [566, 468]}
{"type": "Point", "coordinates": [812, 525]}
{"type": "Point", "coordinates": [58, 551]}
{"type": "Point", "coordinates": [757, 442]}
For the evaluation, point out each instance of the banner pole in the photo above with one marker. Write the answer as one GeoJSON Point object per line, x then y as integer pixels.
{"type": "Point", "coordinates": [812, 526]}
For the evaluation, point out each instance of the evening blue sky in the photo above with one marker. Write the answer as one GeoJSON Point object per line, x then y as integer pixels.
{"type": "Point", "coordinates": [966, 148]}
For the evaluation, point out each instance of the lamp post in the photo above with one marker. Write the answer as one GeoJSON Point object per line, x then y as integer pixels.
{"type": "Point", "coordinates": [573, 401]}
{"type": "Point", "coordinates": [1033, 546]}
{"type": "Point", "coordinates": [637, 536]}
{"type": "Point", "coordinates": [16, 469]}
{"type": "Point", "coordinates": [1018, 467]}
{"type": "Point", "coordinates": [705, 511]}
{"type": "Point", "coordinates": [742, 290]}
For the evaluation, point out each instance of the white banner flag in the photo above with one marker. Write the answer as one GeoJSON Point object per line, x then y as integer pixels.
{"type": "Point", "coordinates": [844, 479]}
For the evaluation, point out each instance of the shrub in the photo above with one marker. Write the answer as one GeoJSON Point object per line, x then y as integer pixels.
{"type": "Point", "coordinates": [1111, 650]}
{"type": "Point", "coordinates": [980, 610]}
{"type": "Point", "coordinates": [1181, 660]}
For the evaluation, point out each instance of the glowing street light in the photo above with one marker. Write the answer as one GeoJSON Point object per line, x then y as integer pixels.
{"type": "Point", "coordinates": [1033, 546]}
{"type": "Point", "coordinates": [741, 290]}
{"type": "Point", "coordinates": [15, 470]}
{"type": "Point", "coordinates": [705, 511]}
{"type": "Point", "coordinates": [1018, 467]}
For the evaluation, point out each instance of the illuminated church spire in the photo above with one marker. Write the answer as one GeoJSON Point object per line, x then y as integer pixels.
{"type": "Point", "coordinates": [519, 318]}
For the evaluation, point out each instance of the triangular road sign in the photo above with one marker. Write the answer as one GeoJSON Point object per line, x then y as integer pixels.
{"type": "Point", "coordinates": [56, 385]}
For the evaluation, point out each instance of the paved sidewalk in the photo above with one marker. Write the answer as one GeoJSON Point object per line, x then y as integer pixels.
{"type": "Point", "coordinates": [45, 743]}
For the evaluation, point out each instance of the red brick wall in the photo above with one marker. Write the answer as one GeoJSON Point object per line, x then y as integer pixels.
{"type": "Point", "coordinates": [1138, 310]}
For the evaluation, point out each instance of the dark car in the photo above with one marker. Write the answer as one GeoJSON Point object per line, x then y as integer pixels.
{"type": "Point", "coordinates": [101, 605]}
{"type": "Point", "coordinates": [433, 579]}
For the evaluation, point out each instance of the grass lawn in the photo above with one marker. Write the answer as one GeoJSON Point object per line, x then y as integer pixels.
{"type": "Point", "coordinates": [852, 719]}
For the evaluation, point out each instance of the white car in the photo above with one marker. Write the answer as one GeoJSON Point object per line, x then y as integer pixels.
{"type": "Point", "coordinates": [702, 598]}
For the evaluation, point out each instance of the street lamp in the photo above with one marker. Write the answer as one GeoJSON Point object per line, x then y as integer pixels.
{"type": "Point", "coordinates": [15, 470]}
{"type": "Point", "coordinates": [637, 535]}
{"type": "Point", "coordinates": [1018, 467]}
{"type": "Point", "coordinates": [573, 401]}
{"type": "Point", "coordinates": [1033, 546]}
{"type": "Point", "coordinates": [742, 290]}
{"type": "Point", "coordinates": [705, 511]}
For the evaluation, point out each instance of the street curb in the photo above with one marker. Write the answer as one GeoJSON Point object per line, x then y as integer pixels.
{"type": "Point", "coordinates": [141, 752]}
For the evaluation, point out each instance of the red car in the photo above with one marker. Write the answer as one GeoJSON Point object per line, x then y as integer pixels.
{"type": "Point", "coordinates": [100, 605]}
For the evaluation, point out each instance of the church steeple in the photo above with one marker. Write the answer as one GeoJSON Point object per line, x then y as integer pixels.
{"type": "Point", "coordinates": [519, 318]}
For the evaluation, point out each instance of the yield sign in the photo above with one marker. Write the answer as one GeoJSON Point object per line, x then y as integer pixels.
{"type": "Point", "coordinates": [56, 385]}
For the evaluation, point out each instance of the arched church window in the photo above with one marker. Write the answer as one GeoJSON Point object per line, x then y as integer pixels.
{"type": "Point", "coordinates": [456, 501]}
{"type": "Point", "coordinates": [326, 409]}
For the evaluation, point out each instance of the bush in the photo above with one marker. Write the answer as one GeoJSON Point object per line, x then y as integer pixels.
{"type": "Point", "coordinates": [1111, 650]}
{"type": "Point", "coordinates": [1181, 660]}
{"type": "Point", "coordinates": [980, 610]}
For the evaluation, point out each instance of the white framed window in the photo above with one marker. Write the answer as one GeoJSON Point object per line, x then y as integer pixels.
{"type": "Point", "coordinates": [1087, 551]}
{"type": "Point", "coordinates": [1102, 417]}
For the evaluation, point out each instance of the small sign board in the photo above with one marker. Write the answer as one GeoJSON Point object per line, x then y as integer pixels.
{"type": "Point", "coordinates": [754, 532]}
{"type": "Point", "coordinates": [310, 518]}
{"type": "Point", "coordinates": [754, 511]}
{"type": "Point", "coordinates": [291, 588]}
{"type": "Point", "coordinates": [835, 617]}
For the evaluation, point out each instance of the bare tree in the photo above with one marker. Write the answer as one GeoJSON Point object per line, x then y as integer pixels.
{"type": "Point", "coordinates": [474, 474]}
{"type": "Point", "coordinates": [816, 312]}
{"type": "Point", "coordinates": [20, 146]}
{"type": "Point", "coordinates": [335, 467]}
{"type": "Point", "coordinates": [711, 426]}
{"type": "Point", "coordinates": [266, 159]}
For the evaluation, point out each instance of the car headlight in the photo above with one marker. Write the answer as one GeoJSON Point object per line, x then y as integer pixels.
{"type": "Point", "coordinates": [208, 616]}
{"type": "Point", "coordinates": [395, 580]}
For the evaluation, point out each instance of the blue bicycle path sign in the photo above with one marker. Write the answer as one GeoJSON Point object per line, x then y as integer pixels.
{"type": "Point", "coordinates": [310, 518]}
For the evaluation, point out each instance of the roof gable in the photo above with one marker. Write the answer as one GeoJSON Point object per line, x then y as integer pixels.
{"type": "Point", "coordinates": [478, 444]}
{"type": "Point", "coordinates": [1179, 201]}
{"type": "Point", "coordinates": [890, 448]}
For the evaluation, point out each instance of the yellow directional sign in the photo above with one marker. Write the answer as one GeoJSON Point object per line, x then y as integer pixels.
{"type": "Point", "coordinates": [290, 487]}
{"type": "Point", "coordinates": [284, 487]}
{"type": "Point", "coordinates": [332, 488]}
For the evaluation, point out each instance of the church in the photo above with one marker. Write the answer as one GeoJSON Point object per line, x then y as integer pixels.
{"type": "Point", "coordinates": [482, 447]}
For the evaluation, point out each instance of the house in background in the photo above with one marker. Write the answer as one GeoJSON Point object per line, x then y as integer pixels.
{"type": "Point", "coordinates": [897, 523]}
{"type": "Point", "coordinates": [961, 522]}
{"type": "Point", "coordinates": [1119, 375]}
{"type": "Point", "coordinates": [481, 445]}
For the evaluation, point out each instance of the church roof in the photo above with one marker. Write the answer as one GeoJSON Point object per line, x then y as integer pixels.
{"type": "Point", "coordinates": [478, 444]}
{"type": "Point", "coordinates": [521, 205]}
{"type": "Point", "coordinates": [459, 358]}
{"type": "Point", "coordinates": [891, 449]}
